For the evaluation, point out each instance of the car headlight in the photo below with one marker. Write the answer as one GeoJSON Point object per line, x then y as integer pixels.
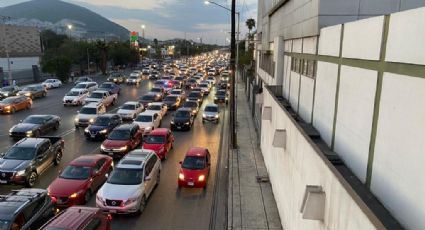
{"type": "Point", "coordinates": [123, 148]}
{"type": "Point", "coordinates": [28, 94]}
{"type": "Point", "coordinates": [103, 131]}
{"type": "Point", "coordinates": [29, 133]}
{"type": "Point", "coordinates": [201, 178]}
{"type": "Point", "coordinates": [227, 98]}
{"type": "Point", "coordinates": [181, 176]}
{"type": "Point", "coordinates": [187, 123]}
{"type": "Point", "coordinates": [99, 198]}
{"type": "Point", "coordinates": [172, 122]}
{"type": "Point", "coordinates": [91, 120]}
{"type": "Point", "coordinates": [131, 200]}
{"type": "Point", "coordinates": [194, 111]}
{"type": "Point", "coordinates": [215, 98]}
{"type": "Point", "coordinates": [86, 130]}
{"type": "Point", "coordinates": [115, 79]}
{"type": "Point", "coordinates": [7, 107]}
{"type": "Point", "coordinates": [20, 173]}
{"type": "Point", "coordinates": [76, 119]}
{"type": "Point", "coordinates": [149, 128]}
{"type": "Point", "coordinates": [216, 116]}
{"type": "Point", "coordinates": [102, 147]}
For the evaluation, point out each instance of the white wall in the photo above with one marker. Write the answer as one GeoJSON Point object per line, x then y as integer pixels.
{"type": "Point", "coordinates": [330, 40]}
{"type": "Point", "coordinates": [306, 98]}
{"type": "Point", "coordinates": [398, 165]}
{"type": "Point", "coordinates": [294, 90]}
{"type": "Point", "coordinates": [20, 63]}
{"type": "Point", "coordinates": [354, 119]}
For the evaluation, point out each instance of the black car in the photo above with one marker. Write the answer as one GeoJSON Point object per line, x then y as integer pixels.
{"type": "Point", "coordinates": [35, 125]}
{"type": "Point", "coordinates": [221, 96]}
{"type": "Point", "coordinates": [9, 91]}
{"type": "Point", "coordinates": [149, 98]}
{"type": "Point", "coordinates": [25, 209]}
{"type": "Point", "coordinates": [159, 91]}
{"type": "Point", "coordinates": [172, 102]}
{"type": "Point", "coordinates": [33, 91]}
{"type": "Point", "coordinates": [195, 96]}
{"type": "Point", "coordinates": [117, 78]}
{"type": "Point", "coordinates": [102, 126]}
{"type": "Point", "coordinates": [191, 83]}
{"type": "Point", "coordinates": [224, 85]}
{"type": "Point", "coordinates": [192, 105]}
{"type": "Point", "coordinates": [182, 119]}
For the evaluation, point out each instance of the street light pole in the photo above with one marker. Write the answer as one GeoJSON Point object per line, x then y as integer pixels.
{"type": "Point", "coordinates": [6, 49]}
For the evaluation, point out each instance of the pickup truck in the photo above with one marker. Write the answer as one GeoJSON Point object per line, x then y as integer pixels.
{"type": "Point", "coordinates": [102, 96]}
{"type": "Point", "coordinates": [29, 158]}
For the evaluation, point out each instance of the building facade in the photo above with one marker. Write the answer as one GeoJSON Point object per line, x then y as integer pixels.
{"type": "Point", "coordinates": [342, 83]}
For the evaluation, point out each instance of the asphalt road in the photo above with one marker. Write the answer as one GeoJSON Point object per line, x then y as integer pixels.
{"type": "Point", "coordinates": [168, 208]}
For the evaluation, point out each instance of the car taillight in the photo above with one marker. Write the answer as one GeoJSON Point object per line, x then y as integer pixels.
{"type": "Point", "coordinates": [109, 217]}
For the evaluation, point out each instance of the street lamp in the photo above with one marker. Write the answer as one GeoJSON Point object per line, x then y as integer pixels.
{"type": "Point", "coordinates": [69, 29]}
{"type": "Point", "coordinates": [232, 79]}
{"type": "Point", "coordinates": [143, 31]}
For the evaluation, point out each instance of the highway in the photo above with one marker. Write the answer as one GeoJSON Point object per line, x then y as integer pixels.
{"type": "Point", "coordinates": [168, 207]}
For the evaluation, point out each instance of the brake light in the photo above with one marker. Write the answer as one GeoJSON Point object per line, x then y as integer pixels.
{"type": "Point", "coordinates": [109, 217]}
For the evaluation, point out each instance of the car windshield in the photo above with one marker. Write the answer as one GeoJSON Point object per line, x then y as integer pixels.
{"type": "Point", "coordinates": [7, 89]}
{"type": "Point", "coordinates": [221, 93]}
{"type": "Point", "coordinates": [80, 86]}
{"type": "Point", "coordinates": [128, 107]}
{"type": "Point", "coordinates": [119, 135]}
{"type": "Point", "coordinates": [156, 90]}
{"type": "Point", "coordinates": [20, 153]}
{"type": "Point", "coordinates": [182, 113]}
{"type": "Point", "coordinates": [106, 86]}
{"type": "Point", "coordinates": [96, 95]}
{"type": "Point", "coordinates": [102, 121]}
{"type": "Point", "coordinates": [154, 107]}
{"type": "Point", "coordinates": [148, 98]}
{"type": "Point", "coordinates": [29, 88]}
{"type": "Point", "coordinates": [211, 109]}
{"type": "Point", "coordinates": [82, 79]}
{"type": "Point", "coordinates": [73, 93]}
{"type": "Point", "coordinates": [4, 224]}
{"type": "Point", "coordinates": [49, 81]}
{"type": "Point", "coordinates": [126, 176]}
{"type": "Point", "coordinates": [203, 85]}
{"type": "Point", "coordinates": [190, 104]}
{"type": "Point", "coordinates": [86, 110]}
{"type": "Point", "coordinates": [75, 173]}
{"type": "Point", "coordinates": [144, 118]}
{"type": "Point", "coordinates": [154, 139]}
{"type": "Point", "coordinates": [177, 92]}
{"type": "Point", "coordinates": [8, 101]}
{"type": "Point", "coordinates": [195, 94]}
{"type": "Point", "coordinates": [191, 162]}
{"type": "Point", "coordinates": [133, 77]}
{"type": "Point", "coordinates": [170, 98]}
{"type": "Point", "coordinates": [33, 120]}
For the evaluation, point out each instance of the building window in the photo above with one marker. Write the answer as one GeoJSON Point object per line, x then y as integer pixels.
{"type": "Point", "coordinates": [304, 67]}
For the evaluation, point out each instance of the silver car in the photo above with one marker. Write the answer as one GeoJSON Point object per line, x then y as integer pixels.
{"type": "Point", "coordinates": [211, 113]}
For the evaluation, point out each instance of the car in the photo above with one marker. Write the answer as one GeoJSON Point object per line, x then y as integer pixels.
{"type": "Point", "coordinates": [148, 121]}
{"type": "Point", "coordinates": [211, 113]}
{"type": "Point", "coordinates": [136, 73]}
{"type": "Point", "coordinates": [221, 96]}
{"type": "Point", "coordinates": [35, 126]}
{"type": "Point", "coordinates": [195, 168]}
{"type": "Point", "coordinates": [195, 96]}
{"type": "Point", "coordinates": [224, 84]}
{"type": "Point", "coordinates": [130, 110]}
{"type": "Point", "coordinates": [133, 80]}
{"type": "Point", "coordinates": [102, 96]}
{"type": "Point", "coordinates": [75, 97]}
{"type": "Point", "coordinates": [102, 126]}
{"type": "Point", "coordinates": [191, 83]}
{"type": "Point", "coordinates": [9, 91]}
{"type": "Point", "coordinates": [83, 79]}
{"type": "Point", "coordinates": [172, 102]}
{"type": "Point", "coordinates": [193, 105]}
{"type": "Point", "coordinates": [177, 84]}
{"type": "Point", "coordinates": [111, 87]}
{"type": "Point", "coordinates": [18, 209]}
{"type": "Point", "coordinates": [157, 107]}
{"type": "Point", "coordinates": [81, 178]}
{"type": "Point", "coordinates": [12, 104]}
{"type": "Point", "coordinates": [117, 78]}
{"type": "Point", "coordinates": [146, 71]}
{"type": "Point", "coordinates": [131, 183]}
{"type": "Point", "coordinates": [205, 87]}
{"type": "Point", "coordinates": [182, 119]}
{"type": "Point", "coordinates": [79, 218]}
{"type": "Point", "coordinates": [90, 86]}
{"type": "Point", "coordinates": [168, 86]}
{"type": "Point", "coordinates": [160, 140]}
{"type": "Point", "coordinates": [166, 78]}
{"type": "Point", "coordinates": [52, 83]}
{"type": "Point", "coordinates": [159, 91]}
{"type": "Point", "coordinates": [146, 99]}
{"type": "Point", "coordinates": [121, 140]}
{"type": "Point", "coordinates": [88, 114]}
{"type": "Point", "coordinates": [154, 75]}
{"type": "Point", "coordinates": [33, 91]}
{"type": "Point", "coordinates": [225, 73]}
{"type": "Point", "coordinates": [28, 158]}
{"type": "Point", "coordinates": [159, 84]}
{"type": "Point", "coordinates": [211, 80]}
{"type": "Point", "coordinates": [179, 92]}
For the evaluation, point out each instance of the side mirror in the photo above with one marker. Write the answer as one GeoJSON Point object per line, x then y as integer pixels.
{"type": "Point", "coordinates": [107, 175]}
{"type": "Point", "coordinates": [2, 154]}
{"type": "Point", "coordinates": [180, 162]}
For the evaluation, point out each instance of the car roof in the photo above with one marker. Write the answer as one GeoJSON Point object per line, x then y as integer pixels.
{"type": "Point", "coordinates": [157, 103]}
{"type": "Point", "coordinates": [100, 91]}
{"type": "Point", "coordinates": [108, 115]}
{"type": "Point", "coordinates": [141, 154]}
{"type": "Point", "coordinates": [184, 109]}
{"type": "Point", "coordinates": [159, 131]}
{"type": "Point", "coordinates": [29, 142]}
{"type": "Point", "coordinates": [78, 90]}
{"type": "Point", "coordinates": [14, 201]}
{"type": "Point", "coordinates": [131, 103]}
{"type": "Point", "coordinates": [212, 105]}
{"type": "Point", "coordinates": [73, 217]}
{"type": "Point", "coordinates": [147, 112]}
{"type": "Point", "coordinates": [196, 151]}
{"type": "Point", "coordinates": [92, 105]}
{"type": "Point", "coordinates": [125, 126]}
{"type": "Point", "coordinates": [87, 160]}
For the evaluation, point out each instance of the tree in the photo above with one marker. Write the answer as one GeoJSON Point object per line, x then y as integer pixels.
{"type": "Point", "coordinates": [250, 23]}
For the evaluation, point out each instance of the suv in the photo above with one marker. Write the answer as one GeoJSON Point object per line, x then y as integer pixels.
{"type": "Point", "coordinates": [79, 218]}
{"type": "Point", "coordinates": [88, 114]}
{"type": "Point", "coordinates": [130, 183]}
{"type": "Point", "coordinates": [25, 208]}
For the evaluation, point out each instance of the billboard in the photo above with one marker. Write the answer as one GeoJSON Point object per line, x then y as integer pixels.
{"type": "Point", "coordinates": [134, 37]}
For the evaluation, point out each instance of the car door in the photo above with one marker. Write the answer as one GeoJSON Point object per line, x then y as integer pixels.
{"type": "Point", "coordinates": [99, 170]}
{"type": "Point", "coordinates": [42, 157]}
{"type": "Point", "coordinates": [156, 120]}
{"type": "Point", "coordinates": [149, 176]}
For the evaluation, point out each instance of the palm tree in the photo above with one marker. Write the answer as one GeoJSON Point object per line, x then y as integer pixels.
{"type": "Point", "coordinates": [250, 23]}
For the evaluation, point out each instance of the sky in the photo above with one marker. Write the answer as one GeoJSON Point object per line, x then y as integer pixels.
{"type": "Point", "coordinates": [167, 19]}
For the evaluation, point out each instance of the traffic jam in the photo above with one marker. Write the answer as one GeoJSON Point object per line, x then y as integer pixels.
{"type": "Point", "coordinates": [133, 141]}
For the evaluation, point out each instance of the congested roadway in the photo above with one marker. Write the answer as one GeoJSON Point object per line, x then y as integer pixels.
{"type": "Point", "coordinates": [168, 207]}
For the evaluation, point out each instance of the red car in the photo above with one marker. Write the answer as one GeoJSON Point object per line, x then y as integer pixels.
{"type": "Point", "coordinates": [195, 168]}
{"type": "Point", "coordinates": [80, 179]}
{"type": "Point", "coordinates": [159, 140]}
{"type": "Point", "coordinates": [122, 140]}
{"type": "Point", "coordinates": [79, 218]}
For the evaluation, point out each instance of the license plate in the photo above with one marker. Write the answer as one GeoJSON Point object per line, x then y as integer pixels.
{"type": "Point", "coordinates": [93, 136]}
{"type": "Point", "coordinates": [178, 127]}
{"type": "Point", "coordinates": [3, 182]}
{"type": "Point", "coordinates": [112, 211]}
{"type": "Point", "coordinates": [111, 154]}
{"type": "Point", "coordinates": [59, 201]}
{"type": "Point", "coordinates": [190, 183]}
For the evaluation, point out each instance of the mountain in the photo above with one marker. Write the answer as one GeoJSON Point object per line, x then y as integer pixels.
{"type": "Point", "coordinates": [56, 15]}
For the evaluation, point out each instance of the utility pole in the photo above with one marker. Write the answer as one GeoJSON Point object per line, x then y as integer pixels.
{"type": "Point", "coordinates": [88, 62]}
{"type": "Point", "coordinates": [232, 78]}
{"type": "Point", "coordinates": [6, 48]}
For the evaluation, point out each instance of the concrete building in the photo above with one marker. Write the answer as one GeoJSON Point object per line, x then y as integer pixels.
{"type": "Point", "coordinates": [23, 46]}
{"type": "Point", "coordinates": [338, 92]}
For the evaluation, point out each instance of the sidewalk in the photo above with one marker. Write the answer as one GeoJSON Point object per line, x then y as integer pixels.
{"type": "Point", "coordinates": [251, 203]}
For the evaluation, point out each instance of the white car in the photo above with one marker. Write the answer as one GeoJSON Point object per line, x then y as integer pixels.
{"type": "Point", "coordinates": [148, 121]}
{"type": "Point", "coordinates": [130, 110]}
{"type": "Point", "coordinates": [211, 113]}
{"type": "Point", "coordinates": [90, 86]}
{"type": "Point", "coordinates": [88, 114]}
{"type": "Point", "coordinates": [102, 96]}
{"type": "Point", "coordinates": [52, 83]}
{"type": "Point", "coordinates": [75, 97]}
{"type": "Point", "coordinates": [157, 107]}
{"type": "Point", "coordinates": [131, 183]}
{"type": "Point", "coordinates": [136, 73]}
{"type": "Point", "coordinates": [146, 71]}
{"type": "Point", "coordinates": [133, 80]}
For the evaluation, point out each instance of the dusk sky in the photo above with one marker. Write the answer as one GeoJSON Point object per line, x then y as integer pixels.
{"type": "Point", "coordinates": [165, 19]}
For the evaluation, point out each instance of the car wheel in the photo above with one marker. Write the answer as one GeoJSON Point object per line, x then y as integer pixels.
{"type": "Point", "coordinates": [32, 178]}
{"type": "Point", "coordinates": [29, 106]}
{"type": "Point", "coordinates": [142, 205]}
{"type": "Point", "coordinates": [13, 110]}
{"type": "Point", "coordinates": [58, 158]}
{"type": "Point", "coordinates": [56, 127]}
{"type": "Point", "coordinates": [87, 196]}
